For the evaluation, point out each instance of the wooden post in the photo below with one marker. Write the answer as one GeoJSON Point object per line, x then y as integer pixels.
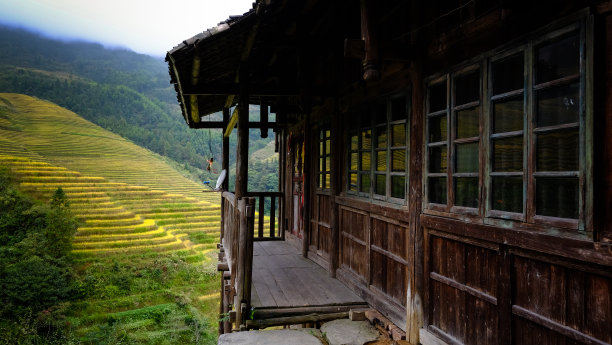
{"type": "Point", "coordinates": [336, 158]}
{"type": "Point", "coordinates": [225, 158]}
{"type": "Point", "coordinates": [306, 185]}
{"type": "Point", "coordinates": [242, 156]}
{"type": "Point", "coordinates": [414, 241]}
{"type": "Point", "coordinates": [263, 119]}
{"type": "Point", "coordinates": [368, 34]}
{"type": "Point", "coordinates": [242, 234]}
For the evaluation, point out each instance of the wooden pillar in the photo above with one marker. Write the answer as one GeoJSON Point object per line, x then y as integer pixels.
{"type": "Point", "coordinates": [225, 158]}
{"type": "Point", "coordinates": [306, 185]}
{"type": "Point", "coordinates": [335, 187]}
{"type": "Point", "coordinates": [368, 34]}
{"type": "Point", "coordinates": [263, 118]}
{"type": "Point", "coordinates": [242, 156]}
{"type": "Point", "coordinates": [415, 243]}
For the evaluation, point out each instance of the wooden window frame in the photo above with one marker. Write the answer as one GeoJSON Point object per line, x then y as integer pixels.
{"type": "Point", "coordinates": [582, 26]}
{"type": "Point", "coordinates": [367, 123]}
{"type": "Point", "coordinates": [324, 138]}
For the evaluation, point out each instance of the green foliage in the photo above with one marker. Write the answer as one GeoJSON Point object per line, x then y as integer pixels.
{"type": "Point", "coordinates": [36, 275]}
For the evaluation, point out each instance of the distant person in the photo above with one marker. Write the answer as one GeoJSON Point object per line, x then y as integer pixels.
{"type": "Point", "coordinates": [210, 165]}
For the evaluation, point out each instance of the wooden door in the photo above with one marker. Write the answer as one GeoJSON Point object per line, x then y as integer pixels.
{"type": "Point", "coordinates": [320, 201]}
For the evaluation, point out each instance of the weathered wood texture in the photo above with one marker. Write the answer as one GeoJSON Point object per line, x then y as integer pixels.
{"type": "Point", "coordinates": [373, 260]}
{"type": "Point", "coordinates": [552, 301]}
{"type": "Point", "coordinates": [282, 278]}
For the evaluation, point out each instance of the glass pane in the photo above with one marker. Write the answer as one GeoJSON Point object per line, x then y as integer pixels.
{"type": "Point", "coordinates": [320, 182]}
{"type": "Point", "coordinates": [398, 189]}
{"type": "Point", "coordinates": [381, 137]}
{"type": "Point", "coordinates": [353, 182]}
{"type": "Point", "coordinates": [467, 123]}
{"type": "Point", "coordinates": [557, 105]}
{"type": "Point", "coordinates": [381, 184]}
{"type": "Point", "coordinates": [466, 191]}
{"type": "Point", "coordinates": [437, 97]}
{"type": "Point", "coordinates": [437, 128]}
{"type": "Point", "coordinates": [354, 142]}
{"type": "Point", "coordinates": [328, 146]}
{"type": "Point", "coordinates": [354, 161]}
{"type": "Point", "coordinates": [365, 183]}
{"type": "Point", "coordinates": [327, 163]}
{"type": "Point", "coordinates": [381, 160]}
{"type": "Point", "coordinates": [558, 59]}
{"type": "Point", "coordinates": [558, 151]}
{"type": "Point", "coordinates": [366, 160]}
{"type": "Point", "coordinates": [322, 148]}
{"type": "Point", "coordinates": [467, 157]}
{"type": "Point", "coordinates": [507, 194]}
{"type": "Point", "coordinates": [327, 181]}
{"type": "Point", "coordinates": [321, 164]}
{"type": "Point", "coordinates": [508, 74]}
{"type": "Point", "coordinates": [508, 116]}
{"type": "Point", "coordinates": [366, 139]}
{"type": "Point", "coordinates": [398, 162]}
{"type": "Point", "coordinates": [398, 133]}
{"type": "Point", "coordinates": [327, 133]}
{"type": "Point", "coordinates": [467, 88]}
{"type": "Point", "coordinates": [437, 159]}
{"type": "Point", "coordinates": [436, 190]}
{"type": "Point", "coordinates": [508, 154]}
{"type": "Point", "coordinates": [398, 109]}
{"type": "Point", "coordinates": [380, 113]}
{"type": "Point", "coordinates": [557, 197]}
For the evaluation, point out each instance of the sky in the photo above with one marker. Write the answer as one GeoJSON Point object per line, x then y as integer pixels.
{"type": "Point", "coordinates": [145, 26]}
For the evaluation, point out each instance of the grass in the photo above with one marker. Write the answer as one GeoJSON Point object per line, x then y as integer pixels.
{"type": "Point", "coordinates": [145, 245]}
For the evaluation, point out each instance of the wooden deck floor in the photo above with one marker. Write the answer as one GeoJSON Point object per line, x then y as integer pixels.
{"type": "Point", "coordinates": [282, 278]}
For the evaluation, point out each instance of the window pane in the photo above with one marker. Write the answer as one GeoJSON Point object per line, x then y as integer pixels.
{"type": "Point", "coordinates": [366, 160]}
{"type": "Point", "coordinates": [381, 137]}
{"type": "Point", "coordinates": [398, 109]}
{"type": "Point", "coordinates": [467, 123]}
{"type": "Point", "coordinates": [327, 163]}
{"type": "Point", "coordinates": [354, 142]}
{"type": "Point", "coordinates": [327, 133]}
{"type": "Point", "coordinates": [557, 197]}
{"type": "Point", "coordinates": [466, 191]}
{"type": "Point", "coordinates": [381, 160]}
{"type": "Point", "coordinates": [558, 151]}
{"type": "Point", "coordinates": [508, 154]}
{"type": "Point", "coordinates": [437, 97]}
{"type": "Point", "coordinates": [398, 162]}
{"type": "Point", "coordinates": [398, 189]}
{"type": "Point", "coordinates": [508, 116]}
{"type": "Point", "coordinates": [508, 74]}
{"type": "Point", "coordinates": [366, 139]}
{"type": "Point", "coordinates": [437, 190]}
{"type": "Point", "coordinates": [320, 182]}
{"type": "Point", "coordinates": [321, 165]}
{"type": "Point", "coordinates": [507, 194]}
{"type": "Point", "coordinates": [437, 128]}
{"type": "Point", "coordinates": [437, 159]}
{"type": "Point", "coordinates": [558, 59]}
{"type": "Point", "coordinates": [365, 183]}
{"type": "Point", "coordinates": [557, 105]}
{"type": "Point", "coordinates": [353, 161]}
{"type": "Point", "coordinates": [322, 148]}
{"type": "Point", "coordinates": [381, 184]}
{"type": "Point", "coordinates": [353, 182]}
{"type": "Point", "coordinates": [328, 146]}
{"type": "Point", "coordinates": [398, 133]}
{"type": "Point", "coordinates": [327, 181]}
{"type": "Point", "coordinates": [467, 157]}
{"type": "Point", "coordinates": [467, 88]}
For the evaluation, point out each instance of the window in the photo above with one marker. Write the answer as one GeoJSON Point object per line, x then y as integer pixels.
{"type": "Point", "coordinates": [534, 122]}
{"type": "Point", "coordinates": [324, 177]}
{"type": "Point", "coordinates": [378, 155]}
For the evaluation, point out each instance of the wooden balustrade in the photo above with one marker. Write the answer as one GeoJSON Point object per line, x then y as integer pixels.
{"type": "Point", "coordinates": [267, 220]}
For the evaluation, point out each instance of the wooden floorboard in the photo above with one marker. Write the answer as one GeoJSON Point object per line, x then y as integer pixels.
{"type": "Point", "coordinates": [282, 278]}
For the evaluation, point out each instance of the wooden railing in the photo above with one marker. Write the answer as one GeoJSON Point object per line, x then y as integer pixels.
{"type": "Point", "coordinates": [236, 258]}
{"type": "Point", "coordinates": [269, 206]}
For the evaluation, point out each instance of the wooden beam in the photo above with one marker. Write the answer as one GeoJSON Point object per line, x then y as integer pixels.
{"type": "Point", "coordinates": [263, 119]}
{"type": "Point", "coordinates": [225, 148]}
{"type": "Point", "coordinates": [232, 122]}
{"type": "Point", "coordinates": [242, 156]}
{"type": "Point", "coordinates": [292, 320]}
{"type": "Point", "coordinates": [232, 89]}
{"type": "Point", "coordinates": [222, 125]}
{"type": "Point", "coordinates": [180, 87]}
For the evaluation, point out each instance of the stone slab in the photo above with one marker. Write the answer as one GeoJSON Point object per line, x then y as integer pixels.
{"type": "Point", "coordinates": [275, 337]}
{"type": "Point", "coordinates": [347, 332]}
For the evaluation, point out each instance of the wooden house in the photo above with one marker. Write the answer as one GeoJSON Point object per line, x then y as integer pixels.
{"type": "Point", "coordinates": [448, 163]}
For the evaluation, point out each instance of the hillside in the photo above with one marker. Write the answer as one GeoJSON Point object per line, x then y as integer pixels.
{"type": "Point", "coordinates": [124, 92]}
{"type": "Point", "coordinates": [146, 234]}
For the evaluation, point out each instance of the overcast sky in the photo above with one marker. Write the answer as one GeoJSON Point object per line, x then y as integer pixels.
{"type": "Point", "coordinates": [146, 26]}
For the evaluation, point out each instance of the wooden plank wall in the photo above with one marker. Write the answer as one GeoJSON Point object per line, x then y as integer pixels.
{"type": "Point", "coordinates": [552, 301]}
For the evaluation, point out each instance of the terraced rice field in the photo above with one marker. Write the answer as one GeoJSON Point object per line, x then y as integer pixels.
{"type": "Point", "coordinates": [147, 234]}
